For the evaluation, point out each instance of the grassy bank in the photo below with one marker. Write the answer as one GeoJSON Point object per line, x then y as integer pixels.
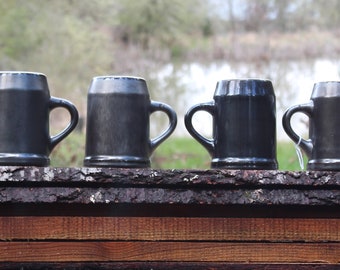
{"type": "Point", "coordinates": [175, 153]}
{"type": "Point", "coordinates": [188, 154]}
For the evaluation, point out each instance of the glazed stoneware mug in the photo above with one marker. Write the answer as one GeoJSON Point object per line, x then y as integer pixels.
{"type": "Point", "coordinates": [25, 105]}
{"type": "Point", "coordinates": [118, 123]}
{"type": "Point", "coordinates": [244, 125]}
{"type": "Point", "coordinates": [322, 147]}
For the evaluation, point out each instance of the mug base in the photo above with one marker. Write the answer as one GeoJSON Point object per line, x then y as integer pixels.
{"type": "Point", "coordinates": [116, 161]}
{"type": "Point", "coordinates": [244, 164]}
{"type": "Point", "coordinates": [20, 159]}
{"type": "Point", "coordinates": [324, 164]}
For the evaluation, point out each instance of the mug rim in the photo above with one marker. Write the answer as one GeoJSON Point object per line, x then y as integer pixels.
{"type": "Point", "coordinates": [22, 80]}
{"type": "Point", "coordinates": [326, 89]}
{"type": "Point", "coordinates": [245, 80]}
{"type": "Point", "coordinates": [328, 81]}
{"type": "Point", "coordinates": [118, 84]}
{"type": "Point", "coordinates": [15, 72]}
{"type": "Point", "coordinates": [118, 77]}
{"type": "Point", "coordinates": [244, 87]}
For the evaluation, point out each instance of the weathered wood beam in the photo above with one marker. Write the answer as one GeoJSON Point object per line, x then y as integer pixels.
{"type": "Point", "coordinates": [231, 252]}
{"type": "Point", "coordinates": [169, 229]}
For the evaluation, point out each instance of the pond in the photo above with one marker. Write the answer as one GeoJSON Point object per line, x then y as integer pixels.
{"type": "Point", "coordinates": [187, 84]}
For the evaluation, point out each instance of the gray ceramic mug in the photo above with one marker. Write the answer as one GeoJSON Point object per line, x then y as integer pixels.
{"type": "Point", "coordinates": [25, 105]}
{"type": "Point", "coordinates": [118, 123]}
{"type": "Point", "coordinates": [323, 147]}
{"type": "Point", "coordinates": [244, 125]}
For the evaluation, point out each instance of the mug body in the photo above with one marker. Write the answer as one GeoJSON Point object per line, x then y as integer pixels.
{"type": "Point", "coordinates": [244, 125]}
{"type": "Point", "coordinates": [24, 119]}
{"type": "Point", "coordinates": [117, 133]}
{"type": "Point", "coordinates": [324, 129]}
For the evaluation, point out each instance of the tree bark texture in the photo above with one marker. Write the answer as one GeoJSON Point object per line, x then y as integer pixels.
{"type": "Point", "coordinates": [180, 187]}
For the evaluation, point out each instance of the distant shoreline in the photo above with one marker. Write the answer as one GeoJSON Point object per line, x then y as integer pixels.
{"type": "Point", "coordinates": [245, 47]}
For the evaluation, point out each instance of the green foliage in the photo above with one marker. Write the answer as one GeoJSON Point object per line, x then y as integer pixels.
{"type": "Point", "coordinates": [58, 38]}
{"type": "Point", "coordinates": [186, 153]}
{"type": "Point", "coordinates": [181, 153]}
{"type": "Point", "coordinates": [174, 153]}
{"type": "Point", "coordinates": [160, 22]}
{"type": "Point", "coordinates": [70, 152]}
{"type": "Point", "coordinates": [80, 37]}
{"type": "Point", "coordinates": [16, 30]}
{"type": "Point", "coordinates": [287, 157]}
{"type": "Point", "coordinates": [207, 28]}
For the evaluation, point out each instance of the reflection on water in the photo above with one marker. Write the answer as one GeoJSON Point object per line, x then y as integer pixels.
{"type": "Point", "coordinates": [188, 84]}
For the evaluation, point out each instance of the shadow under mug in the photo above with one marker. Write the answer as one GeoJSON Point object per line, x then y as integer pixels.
{"type": "Point", "coordinates": [244, 125]}
{"type": "Point", "coordinates": [118, 123]}
{"type": "Point", "coordinates": [323, 146]}
{"type": "Point", "coordinates": [25, 105]}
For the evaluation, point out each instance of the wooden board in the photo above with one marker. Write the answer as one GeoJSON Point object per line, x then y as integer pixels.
{"type": "Point", "coordinates": [165, 266]}
{"type": "Point", "coordinates": [61, 251]}
{"type": "Point", "coordinates": [170, 229]}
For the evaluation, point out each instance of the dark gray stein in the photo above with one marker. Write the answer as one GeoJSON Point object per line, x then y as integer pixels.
{"type": "Point", "coordinates": [323, 147]}
{"type": "Point", "coordinates": [244, 125]}
{"type": "Point", "coordinates": [25, 105]}
{"type": "Point", "coordinates": [118, 123]}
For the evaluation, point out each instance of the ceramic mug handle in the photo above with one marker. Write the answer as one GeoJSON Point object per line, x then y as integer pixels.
{"type": "Point", "coordinates": [59, 102]}
{"type": "Point", "coordinates": [159, 106]}
{"type": "Point", "coordinates": [307, 109]}
{"type": "Point", "coordinates": [208, 107]}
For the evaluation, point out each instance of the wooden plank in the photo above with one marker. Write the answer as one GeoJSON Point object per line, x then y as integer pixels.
{"type": "Point", "coordinates": [170, 251]}
{"type": "Point", "coordinates": [166, 266]}
{"type": "Point", "coordinates": [169, 229]}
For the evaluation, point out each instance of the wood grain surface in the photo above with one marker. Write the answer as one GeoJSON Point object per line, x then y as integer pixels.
{"type": "Point", "coordinates": [169, 251]}
{"type": "Point", "coordinates": [170, 229]}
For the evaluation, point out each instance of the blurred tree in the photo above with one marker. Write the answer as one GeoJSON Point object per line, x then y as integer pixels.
{"type": "Point", "coordinates": [281, 15]}
{"type": "Point", "coordinates": [304, 14]}
{"type": "Point", "coordinates": [162, 22]}
{"type": "Point", "coordinates": [256, 15]}
{"type": "Point", "coordinates": [231, 15]}
{"type": "Point", "coordinates": [328, 13]}
{"type": "Point", "coordinates": [16, 37]}
{"type": "Point", "coordinates": [64, 39]}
